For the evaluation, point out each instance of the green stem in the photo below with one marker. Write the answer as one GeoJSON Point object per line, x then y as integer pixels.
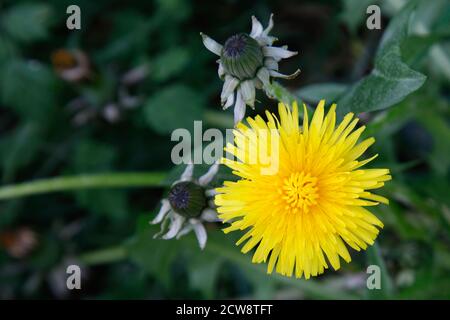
{"type": "Point", "coordinates": [107, 255]}
{"type": "Point", "coordinates": [107, 180]}
{"type": "Point", "coordinates": [218, 119]}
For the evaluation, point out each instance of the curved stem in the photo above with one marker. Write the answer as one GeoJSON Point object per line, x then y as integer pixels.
{"type": "Point", "coordinates": [218, 119]}
{"type": "Point", "coordinates": [107, 255]}
{"type": "Point", "coordinates": [85, 181]}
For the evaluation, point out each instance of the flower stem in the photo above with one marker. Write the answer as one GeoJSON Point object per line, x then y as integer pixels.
{"type": "Point", "coordinates": [107, 180]}
{"type": "Point", "coordinates": [218, 119]}
{"type": "Point", "coordinates": [107, 255]}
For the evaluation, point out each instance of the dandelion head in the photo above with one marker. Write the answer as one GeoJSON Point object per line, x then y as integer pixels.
{"type": "Point", "coordinates": [248, 62]}
{"type": "Point", "coordinates": [302, 217]}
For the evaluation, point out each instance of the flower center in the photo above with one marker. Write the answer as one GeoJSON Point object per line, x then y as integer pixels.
{"type": "Point", "coordinates": [187, 198]}
{"type": "Point", "coordinates": [235, 45]}
{"type": "Point", "coordinates": [242, 56]}
{"type": "Point", "coordinates": [300, 191]}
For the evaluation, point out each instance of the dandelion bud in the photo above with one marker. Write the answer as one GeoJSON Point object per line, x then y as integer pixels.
{"type": "Point", "coordinates": [187, 199]}
{"type": "Point", "coordinates": [248, 62]}
{"type": "Point", "coordinates": [242, 56]}
{"type": "Point", "coordinates": [188, 206]}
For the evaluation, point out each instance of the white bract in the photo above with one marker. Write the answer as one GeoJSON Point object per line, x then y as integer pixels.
{"type": "Point", "coordinates": [247, 62]}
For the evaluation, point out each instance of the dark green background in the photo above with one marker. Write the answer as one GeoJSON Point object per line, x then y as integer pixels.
{"type": "Point", "coordinates": [399, 86]}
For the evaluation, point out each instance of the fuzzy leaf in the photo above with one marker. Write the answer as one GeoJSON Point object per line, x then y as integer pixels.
{"type": "Point", "coordinates": [391, 80]}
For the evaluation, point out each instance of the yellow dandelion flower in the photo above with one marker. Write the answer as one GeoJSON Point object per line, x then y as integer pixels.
{"type": "Point", "coordinates": [303, 215]}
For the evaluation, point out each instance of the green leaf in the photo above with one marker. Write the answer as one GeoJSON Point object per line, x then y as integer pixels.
{"type": "Point", "coordinates": [27, 22]}
{"type": "Point", "coordinates": [218, 242]}
{"type": "Point", "coordinates": [91, 156]}
{"type": "Point", "coordinates": [389, 83]}
{"type": "Point", "coordinates": [158, 256]}
{"type": "Point", "coordinates": [19, 149]}
{"type": "Point", "coordinates": [391, 80]}
{"type": "Point", "coordinates": [169, 63]}
{"type": "Point", "coordinates": [155, 256]}
{"type": "Point", "coordinates": [432, 21]}
{"type": "Point", "coordinates": [175, 9]}
{"type": "Point", "coordinates": [110, 203]}
{"type": "Point", "coordinates": [264, 287]}
{"type": "Point", "coordinates": [387, 123]}
{"type": "Point", "coordinates": [203, 270]}
{"type": "Point", "coordinates": [374, 257]}
{"type": "Point", "coordinates": [47, 254]}
{"type": "Point", "coordinates": [316, 92]}
{"type": "Point", "coordinates": [29, 88]}
{"type": "Point", "coordinates": [7, 48]}
{"type": "Point", "coordinates": [129, 37]}
{"type": "Point", "coordinates": [394, 218]}
{"type": "Point", "coordinates": [173, 107]}
{"type": "Point", "coordinates": [439, 129]}
{"type": "Point", "coordinates": [354, 12]}
{"type": "Point", "coordinates": [416, 47]}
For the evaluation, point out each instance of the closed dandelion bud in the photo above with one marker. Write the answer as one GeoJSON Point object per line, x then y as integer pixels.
{"type": "Point", "coordinates": [188, 206]}
{"type": "Point", "coordinates": [187, 199]}
{"type": "Point", "coordinates": [242, 56]}
{"type": "Point", "coordinates": [248, 62]}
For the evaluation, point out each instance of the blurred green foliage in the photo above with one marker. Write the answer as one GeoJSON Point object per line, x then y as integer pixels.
{"type": "Point", "coordinates": [148, 74]}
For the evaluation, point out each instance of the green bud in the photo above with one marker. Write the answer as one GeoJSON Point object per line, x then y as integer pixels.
{"type": "Point", "coordinates": [187, 199]}
{"type": "Point", "coordinates": [242, 56]}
